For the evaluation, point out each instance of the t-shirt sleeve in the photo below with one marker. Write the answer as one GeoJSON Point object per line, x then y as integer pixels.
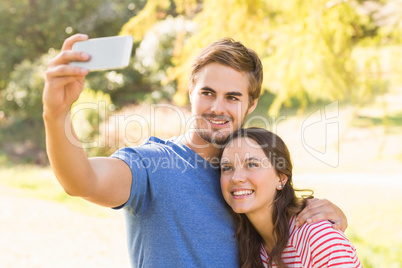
{"type": "Point", "coordinates": [139, 192]}
{"type": "Point", "coordinates": [326, 246]}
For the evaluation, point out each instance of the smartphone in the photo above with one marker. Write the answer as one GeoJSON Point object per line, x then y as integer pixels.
{"type": "Point", "coordinates": [107, 53]}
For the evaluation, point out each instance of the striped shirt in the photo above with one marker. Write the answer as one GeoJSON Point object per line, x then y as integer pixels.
{"type": "Point", "coordinates": [316, 245]}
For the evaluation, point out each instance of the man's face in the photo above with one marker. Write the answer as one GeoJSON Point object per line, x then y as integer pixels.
{"type": "Point", "coordinates": [219, 102]}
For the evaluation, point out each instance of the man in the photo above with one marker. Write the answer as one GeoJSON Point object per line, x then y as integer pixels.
{"type": "Point", "coordinates": [175, 214]}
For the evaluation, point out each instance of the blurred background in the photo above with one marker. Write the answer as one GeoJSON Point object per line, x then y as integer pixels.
{"type": "Point", "coordinates": [332, 89]}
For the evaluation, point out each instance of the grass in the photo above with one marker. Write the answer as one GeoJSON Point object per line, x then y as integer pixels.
{"type": "Point", "coordinates": [39, 182]}
{"type": "Point", "coordinates": [371, 203]}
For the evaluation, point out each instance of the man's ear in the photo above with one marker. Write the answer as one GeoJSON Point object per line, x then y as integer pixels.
{"type": "Point", "coordinates": [189, 94]}
{"type": "Point", "coordinates": [252, 107]}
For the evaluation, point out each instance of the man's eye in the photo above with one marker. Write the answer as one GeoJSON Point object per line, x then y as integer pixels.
{"type": "Point", "coordinates": [232, 98]}
{"type": "Point", "coordinates": [206, 93]}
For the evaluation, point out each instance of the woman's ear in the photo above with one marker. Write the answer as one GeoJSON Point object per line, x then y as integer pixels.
{"type": "Point", "coordinates": [283, 179]}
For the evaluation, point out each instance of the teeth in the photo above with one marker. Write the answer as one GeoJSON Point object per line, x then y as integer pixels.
{"type": "Point", "coordinates": [218, 122]}
{"type": "Point", "coordinates": [244, 192]}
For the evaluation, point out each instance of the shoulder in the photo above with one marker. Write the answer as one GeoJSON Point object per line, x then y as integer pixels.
{"type": "Point", "coordinates": [315, 234]}
{"type": "Point", "coordinates": [150, 145]}
{"type": "Point", "coordinates": [151, 148]}
{"type": "Point", "coordinates": [324, 245]}
{"type": "Point", "coordinates": [156, 152]}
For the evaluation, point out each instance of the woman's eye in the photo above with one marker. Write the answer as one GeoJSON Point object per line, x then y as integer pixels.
{"type": "Point", "coordinates": [252, 165]}
{"type": "Point", "coordinates": [226, 168]}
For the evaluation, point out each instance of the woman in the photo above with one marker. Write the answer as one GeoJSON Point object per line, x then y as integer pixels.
{"type": "Point", "coordinates": [256, 181]}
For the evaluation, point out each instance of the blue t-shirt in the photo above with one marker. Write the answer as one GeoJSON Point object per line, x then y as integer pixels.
{"type": "Point", "coordinates": [176, 215]}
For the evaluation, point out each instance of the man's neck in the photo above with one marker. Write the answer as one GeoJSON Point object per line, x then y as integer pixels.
{"type": "Point", "coordinates": [206, 150]}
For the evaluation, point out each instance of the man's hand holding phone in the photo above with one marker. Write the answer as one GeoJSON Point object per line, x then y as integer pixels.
{"type": "Point", "coordinates": [64, 82]}
{"type": "Point", "coordinates": [79, 55]}
{"type": "Point", "coordinates": [91, 179]}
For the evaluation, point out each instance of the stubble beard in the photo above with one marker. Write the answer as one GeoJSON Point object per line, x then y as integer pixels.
{"type": "Point", "coordinates": [216, 137]}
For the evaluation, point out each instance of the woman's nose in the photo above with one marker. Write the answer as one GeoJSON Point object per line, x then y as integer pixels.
{"type": "Point", "coordinates": [239, 176]}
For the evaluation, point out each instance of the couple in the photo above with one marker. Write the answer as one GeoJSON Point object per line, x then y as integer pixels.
{"type": "Point", "coordinates": [176, 215]}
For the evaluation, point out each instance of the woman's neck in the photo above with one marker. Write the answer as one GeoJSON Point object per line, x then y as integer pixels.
{"type": "Point", "coordinates": [265, 227]}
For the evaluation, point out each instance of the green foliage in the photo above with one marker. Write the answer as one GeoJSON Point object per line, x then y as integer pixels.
{"type": "Point", "coordinates": [245, 21]}
{"type": "Point", "coordinates": [120, 85]}
{"type": "Point", "coordinates": [389, 16]}
{"type": "Point", "coordinates": [88, 114]}
{"type": "Point", "coordinates": [147, 28]}
{"type": "Point", "coordinates": [23, 95]}
{"type": "Point", "coordinates": [154, 56]}
{"type": "Point", "coordinates": [29, 29]}
{"type": "Point", "coordinates": [315, 63]}
{"type": "Point", "coordinates": [22, 108]}
{"type": "Point", "coordinates": [153, 11]}
{"type": "Point", "coordinates": [312, 51]}
{"type": "Point", "coordinates": [307, 47]}
{"type": "Point", "coordinates": [157, 10]}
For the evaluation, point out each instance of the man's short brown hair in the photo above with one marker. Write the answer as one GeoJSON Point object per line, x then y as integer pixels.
{"type": "Point", "coordinates": [235, 55]}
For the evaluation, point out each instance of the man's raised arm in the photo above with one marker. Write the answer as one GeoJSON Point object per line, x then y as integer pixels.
{"type": "Point", "coordinates": [104, 181]}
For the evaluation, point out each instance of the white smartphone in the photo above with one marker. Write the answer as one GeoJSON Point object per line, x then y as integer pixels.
{"type": "Point", "coordinates": [106, 53]}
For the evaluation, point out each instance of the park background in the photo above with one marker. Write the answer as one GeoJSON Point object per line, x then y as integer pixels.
{"type": "Point", "coordinates": [332, 89]}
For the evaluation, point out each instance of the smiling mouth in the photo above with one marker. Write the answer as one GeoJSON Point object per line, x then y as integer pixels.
{"type": "Point", "coordinates": [218, 122]}
{"type": "Point", "coordinates": [242, 193]}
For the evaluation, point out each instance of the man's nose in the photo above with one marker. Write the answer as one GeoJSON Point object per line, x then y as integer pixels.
{"type": "Point", "coordinates": [218, 106]}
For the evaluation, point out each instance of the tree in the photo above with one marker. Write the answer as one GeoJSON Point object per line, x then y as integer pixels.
{"type": "Point", "coordinates": [29, 28]}
{"type": "Point", "coordinates": [22, 107]}
{"type": "Point", "coordinates": [307, 47]}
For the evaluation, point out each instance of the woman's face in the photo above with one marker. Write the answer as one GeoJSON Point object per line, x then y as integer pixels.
{"type": "Point", "coordinates": [248, 179]}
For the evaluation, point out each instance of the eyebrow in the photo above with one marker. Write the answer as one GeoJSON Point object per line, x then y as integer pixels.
{"type": "Point", "coordinates": [249, 159]}
{"type": "Point", "coordinates": [225, 162]}
{"type": "Point", "coordinates": [230, 93]}
{"type": "Point", "coordinates": [252, 159]}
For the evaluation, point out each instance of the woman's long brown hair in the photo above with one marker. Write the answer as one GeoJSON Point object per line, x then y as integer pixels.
{"type": "Point", "coordinates": [285, 204]}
